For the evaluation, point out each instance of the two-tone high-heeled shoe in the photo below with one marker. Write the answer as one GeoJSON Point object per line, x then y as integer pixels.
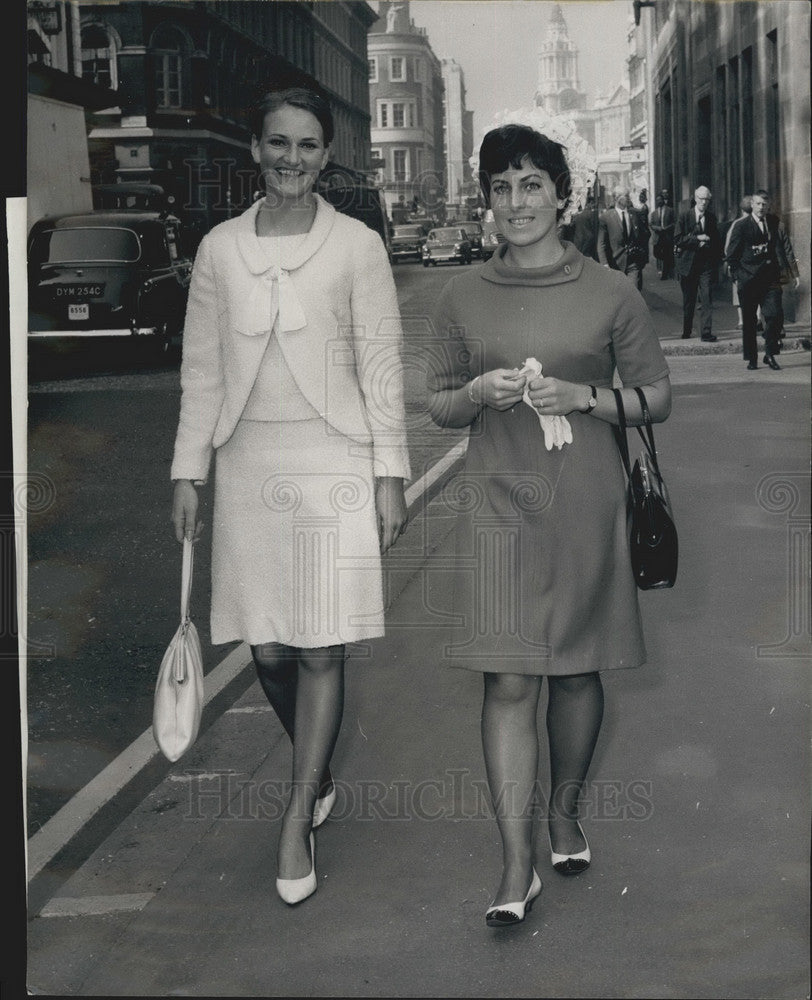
{"type": "Point", "coordinates": [571, 864]}
{"type": "Point", "coordinates": [324, 806]}
{"type": "Point", "coordinates": [506, 914]}
{"type": "Point", "coordinates": [294, 890]}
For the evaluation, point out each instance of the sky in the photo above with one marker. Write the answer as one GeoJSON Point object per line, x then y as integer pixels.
{"type": "Point", "coordinates": [496, 42]}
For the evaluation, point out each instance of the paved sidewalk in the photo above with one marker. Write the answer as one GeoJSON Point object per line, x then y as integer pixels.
{"type": "Point", "coordinates": [697, 808]}
{"type": "Point", "coordinates": [664, 299]}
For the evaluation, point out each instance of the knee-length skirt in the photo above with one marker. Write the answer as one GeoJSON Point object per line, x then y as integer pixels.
{"type": "Point", "coordinates": [295, 550]}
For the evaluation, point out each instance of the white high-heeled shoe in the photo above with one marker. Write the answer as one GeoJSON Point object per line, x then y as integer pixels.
{"type": "Point", "coordinates": [294, 890]}
{"type": "Point", "coordinates": [506, 914]}
{"type": "Point", "coordinates": [571, 864]}
{"type": "Point", "coordinates": [324, 806]}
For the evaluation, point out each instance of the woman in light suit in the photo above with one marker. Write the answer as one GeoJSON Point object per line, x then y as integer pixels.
{"type": "Point", "coordinates": [291, 376]}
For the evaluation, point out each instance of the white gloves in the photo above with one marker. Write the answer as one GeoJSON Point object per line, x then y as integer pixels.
{"type": "Point", "coordinates": [557, 430]}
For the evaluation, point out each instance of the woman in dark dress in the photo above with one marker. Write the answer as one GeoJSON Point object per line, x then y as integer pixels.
{"type": "Point", "coordinates": [543, 585]}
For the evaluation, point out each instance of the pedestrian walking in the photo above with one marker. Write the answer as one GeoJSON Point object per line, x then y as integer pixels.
{"type": "Point", "coordinates": [584, 230]}
{"type": "Point", "coordinates": [543, 585]}
{"type": "Point", "coordinates": [745, 208]}
{"type": "Point", "coordinates": [698, 251]}
{"type": "Point", "coordinates": [760, 257]}
{"type": "Point", "coordinates": [291, 376]}
{"type": "Point", "coordinates": [661, 223]}
{"type": "Point", "coordinates": [620, 242]}
{"type": "Point", "coordinates": [643, 227]}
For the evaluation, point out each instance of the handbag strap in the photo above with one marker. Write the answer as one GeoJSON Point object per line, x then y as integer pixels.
{"type": "Point", "coordinates": [648, 435]}
{"type": "Point", "coordinates": [620, 433]}
{"type": "Point", "coordinates": [186, 578]}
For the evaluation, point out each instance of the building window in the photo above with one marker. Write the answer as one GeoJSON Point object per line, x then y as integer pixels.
{"type": "Point", "coordinates": [376, 159]}
{"type": "Point", "coordinates": [402, 115]}
{"type": "Point", "coordinates": [397, 69]}
{"type": "Point", "coordinates": [400, 164]}
{"type": "Point", "coordinates": [383, 114]}
{"type": "Point", "coordinates": [418, 69]}
{"type": "Point", "coordinates": [98, 57]}
{"type": "Point", "coordinates": [168, 48]}
{"type": "Point", "coordinates": [373, 69]}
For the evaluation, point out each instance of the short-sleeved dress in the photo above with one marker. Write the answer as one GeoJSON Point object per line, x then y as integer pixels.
{"type": "Point", "coordinates": [542, 582]}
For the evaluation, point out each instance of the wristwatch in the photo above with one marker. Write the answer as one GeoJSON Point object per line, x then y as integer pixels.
{"type": "Point", "coordinates": [592, 402]}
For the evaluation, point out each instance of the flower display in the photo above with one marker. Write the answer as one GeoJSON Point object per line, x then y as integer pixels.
{"type": "Point", "coordinates": [581, 157]}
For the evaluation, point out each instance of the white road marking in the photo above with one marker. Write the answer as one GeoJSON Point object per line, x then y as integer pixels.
{"type": "Point", "coordinates": [79, 810]}
{"type": "Point", "coordinates": [95, 906]}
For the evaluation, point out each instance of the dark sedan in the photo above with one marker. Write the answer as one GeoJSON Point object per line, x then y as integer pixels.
{"type": "Point", "coordinates": [447, 245]}
{"type": "Point", "coordinates": [407, 242]}
{"type": "Point", "coordinates": [491, 239]}
{"type": "Point", "coordinates": [108, 274]}
{"type": "Point", "coordinates": [473, 230]}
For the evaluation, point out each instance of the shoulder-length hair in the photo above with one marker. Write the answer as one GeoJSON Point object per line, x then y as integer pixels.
{"type": "Point", "coordinates": [299, 91]}
{"type": "Point", "coordinates": [508, 145]}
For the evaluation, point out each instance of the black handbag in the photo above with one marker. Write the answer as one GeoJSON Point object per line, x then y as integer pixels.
{"type": "Point", "coordinates": [652, 532]}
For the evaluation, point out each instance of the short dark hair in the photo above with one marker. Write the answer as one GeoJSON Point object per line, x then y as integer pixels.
{"type": "Point", "coordinates": [761, 193]}
{"type": "Point", "coordinates": [508, 145]}
{"type": "Point", "coordinates": [299, 90]}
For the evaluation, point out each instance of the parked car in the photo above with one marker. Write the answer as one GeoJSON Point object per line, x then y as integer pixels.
{"type": "Point", "coordinates": [447, 244]}
{"type": "Point", "coordinates": [131, 194]}
{"type": "Point", "coordinates": [491, 239]}
{"type": "Point", "coordinates": [360, 201]}
{"type": "Point", "coordinates": [473, 230]}
{"type": "Point", "coordinates": [407, 242]}
{"type": "Point", "coordinates": [119, 273]}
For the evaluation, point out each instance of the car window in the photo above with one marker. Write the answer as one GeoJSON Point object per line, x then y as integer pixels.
{"type": "Point", "coordinates": [472, 228]}
{"type": "Point", "coordinates": [446, 234]}
{"type": "Point", "coordinates": [408, 231]}
{"type": "Point", "coordinates": [63, 246]}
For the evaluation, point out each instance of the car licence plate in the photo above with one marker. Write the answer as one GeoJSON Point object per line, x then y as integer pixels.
{"type": "Point", "coordinates": [78, 312]}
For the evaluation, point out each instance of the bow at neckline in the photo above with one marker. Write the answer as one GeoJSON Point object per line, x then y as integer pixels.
{"type": "Point", "coordinates": [273, 300]}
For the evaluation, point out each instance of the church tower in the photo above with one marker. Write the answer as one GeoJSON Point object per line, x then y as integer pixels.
{"type": "Point", "coordinates": [558, 86]}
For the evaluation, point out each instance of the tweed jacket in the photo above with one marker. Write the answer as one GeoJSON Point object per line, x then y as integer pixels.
{"type": "Point", "coordinates": [343, 352]}
{"type": "Point", "coordinates": [749, 255]}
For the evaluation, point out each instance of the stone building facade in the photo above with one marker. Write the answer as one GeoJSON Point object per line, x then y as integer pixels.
{"type": "Point", "coordinates": [184, 74]}
{"type": "Point", "coordinates": [459, 141]}
{"type": "Point", "coordinates": [730, 83]}
{"type": "Point", "coordinates": [603, 122]}
{"type": "Point", "coordinates": [406, 104]}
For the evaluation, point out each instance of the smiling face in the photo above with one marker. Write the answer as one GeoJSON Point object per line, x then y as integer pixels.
{"type": "Point", "coordinates": [291, 152]}
{"type": "Point", "coordinates": [525, 204]}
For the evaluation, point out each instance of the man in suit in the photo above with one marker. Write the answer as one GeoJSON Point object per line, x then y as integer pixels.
{"type": "Point", "coordinates": [619, 240]}
{"type": "Point", "coordinates": [698, 250]}
{"type": "Point", "coordinates": [661, 222]}
{"type": "Point", "coordinates": [583, 230]}
{"type": "Point", "coordinates": [760, 257]}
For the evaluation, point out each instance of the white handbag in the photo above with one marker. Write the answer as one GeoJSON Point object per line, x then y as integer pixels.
{"type": "Point", "coordinates": [178, 703]}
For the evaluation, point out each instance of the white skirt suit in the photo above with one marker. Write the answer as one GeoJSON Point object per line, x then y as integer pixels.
{"type": "Point", "coordinates": [292, 376]}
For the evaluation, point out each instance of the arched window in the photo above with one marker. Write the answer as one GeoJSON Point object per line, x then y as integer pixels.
{"type": "Point", "coordinates": [168, 50]}
{"type": "Point", "coordinates": [99, 56]}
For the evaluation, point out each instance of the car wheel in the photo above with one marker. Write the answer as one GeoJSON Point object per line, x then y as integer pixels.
{"type": "Point", "coordinates": [425, 263]}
